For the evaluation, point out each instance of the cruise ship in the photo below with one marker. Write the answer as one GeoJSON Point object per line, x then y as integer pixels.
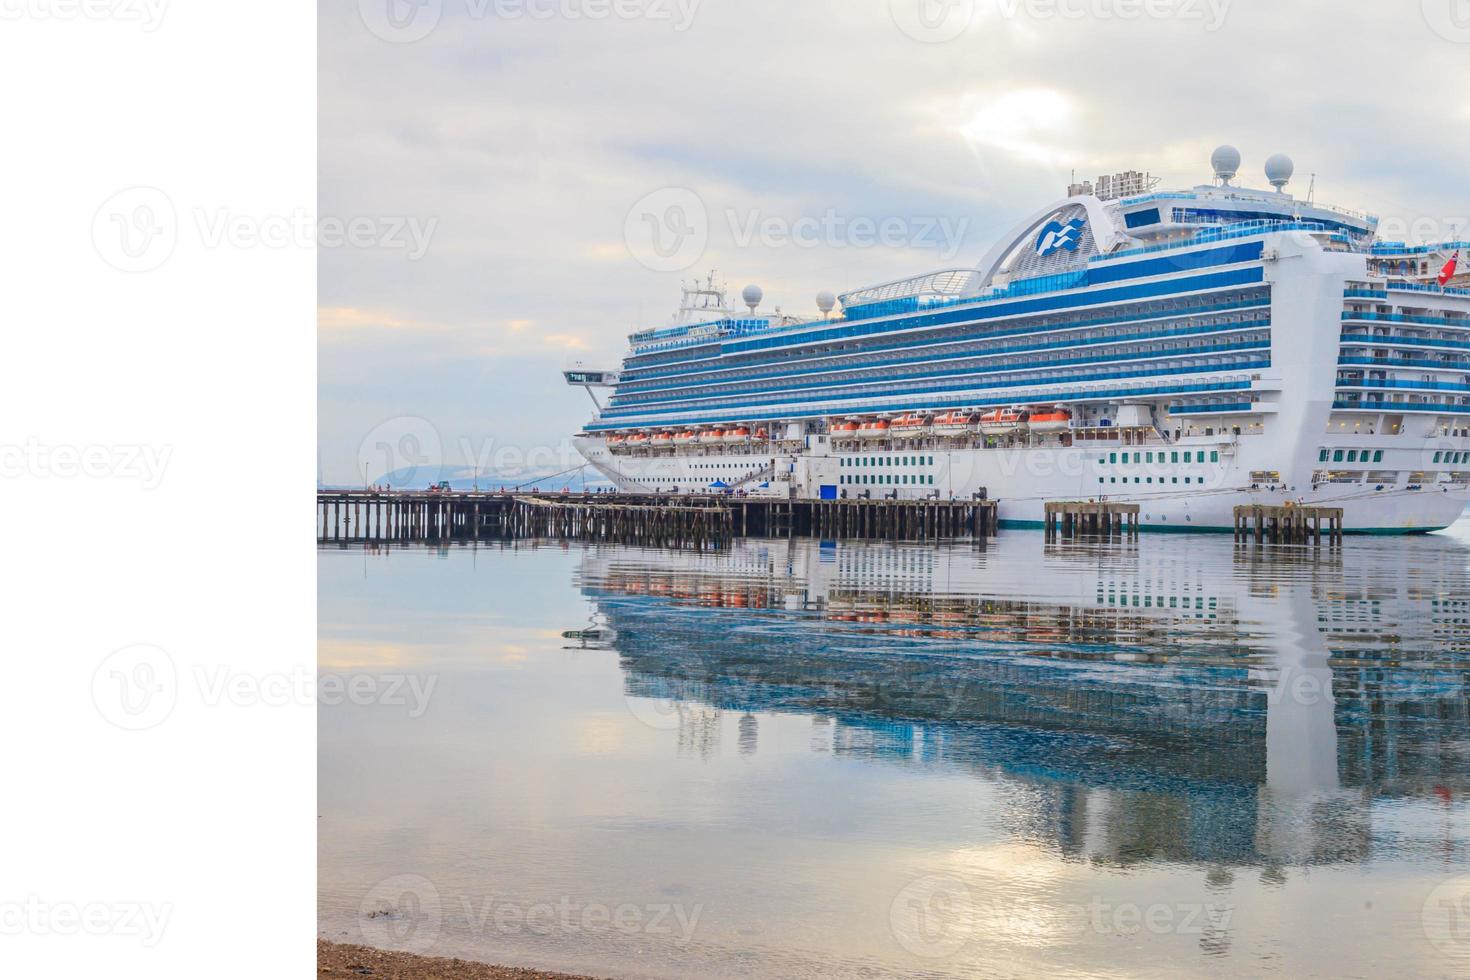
{"type": "Point", "coordinates": [1186, 350]}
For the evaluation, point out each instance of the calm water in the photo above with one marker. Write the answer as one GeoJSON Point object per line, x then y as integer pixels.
{"type": "Point", "coordinates": [1166, 759]}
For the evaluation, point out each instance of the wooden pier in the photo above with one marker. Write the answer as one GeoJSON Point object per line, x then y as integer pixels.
{"type": "Point", "coordinates": [1287, 523]}
{"type": "Point", "coordinates": [663, 520]}
{"type": "Point", "coordinates": [1090, 517]}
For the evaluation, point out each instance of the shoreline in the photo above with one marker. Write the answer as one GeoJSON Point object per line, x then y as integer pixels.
{"type": "Point", "coordinates": [349, 960]}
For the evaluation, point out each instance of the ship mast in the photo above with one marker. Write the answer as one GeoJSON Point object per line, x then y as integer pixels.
{"type": "Point", "coordinates": [701, 300]}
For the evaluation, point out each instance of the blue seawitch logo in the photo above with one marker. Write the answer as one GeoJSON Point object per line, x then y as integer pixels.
{"type": "Point", "coordinates": [1057, 236]}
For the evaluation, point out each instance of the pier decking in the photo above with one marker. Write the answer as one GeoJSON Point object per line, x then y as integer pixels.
{"type": "Point", "coordinates": [665, 520]}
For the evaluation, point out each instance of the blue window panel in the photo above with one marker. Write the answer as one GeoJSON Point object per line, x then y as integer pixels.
{"type": "Point", "coordinates": [1142, 219]}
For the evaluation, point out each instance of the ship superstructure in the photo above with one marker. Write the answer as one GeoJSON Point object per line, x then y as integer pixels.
{"type": "Point", "coordinates": [1188, 350]}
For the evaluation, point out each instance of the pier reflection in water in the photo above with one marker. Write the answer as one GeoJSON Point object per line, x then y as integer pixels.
{"type": "Point", "coordinates": [1174, 756]}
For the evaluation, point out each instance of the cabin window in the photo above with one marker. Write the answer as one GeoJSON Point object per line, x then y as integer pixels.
{"type": "Point", "coordinates": [1337, 456]}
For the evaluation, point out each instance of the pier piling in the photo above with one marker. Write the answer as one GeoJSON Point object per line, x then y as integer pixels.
{"type": "Point", "coordinates": [1288, 524]}
{"type": "Point", "coordinates": [665, 520]}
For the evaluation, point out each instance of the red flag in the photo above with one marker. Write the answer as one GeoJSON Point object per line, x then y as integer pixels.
{"type": "Point", "coordinates": [1448, 272]}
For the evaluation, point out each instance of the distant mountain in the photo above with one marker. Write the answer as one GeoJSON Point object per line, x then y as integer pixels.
{"type": "Point", "coordinates": [464, 478]}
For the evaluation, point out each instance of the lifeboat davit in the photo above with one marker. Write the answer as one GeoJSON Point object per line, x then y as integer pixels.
{"type": "Point", "coordinates": [738, 434]}
{"type": "Point", "coordinates": [874, 429]}
{"type": "Point", "coordinates": [1050, 420]}
{"type": "Point", "coordinates": [686, 437]}
{"type": "Point", "coordinates": [954, 423]}
{"type": "Point", "coordinates": [712, 435]}
{"type": "Point", "coordinates": [1001, 421]}
{"type": "Point", "coordinates": [910, 425]}
{"type": "Point", "coordinates": [845, 429]}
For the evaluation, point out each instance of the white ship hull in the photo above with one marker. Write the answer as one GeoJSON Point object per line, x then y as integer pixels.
{"type": "Point", "coordinates": [1023, 479]}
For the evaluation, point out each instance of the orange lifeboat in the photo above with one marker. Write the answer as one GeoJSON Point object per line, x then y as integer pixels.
{"type": "Point", "coordinates": [910, 425]}
{"type": "Point", "coordinates": [1051, 420]}
{"type": "Point", "coordinates": [738, 434]}
{"type": "Point", "coordinates": [616, 439]}
{"type": "Point", "coordinates": [712, 435]}
{"type": "Point", "coordinates": [663, 439]}
{"type": "Point", "coordinates": [954, 423]}
{"type": "Point", "coordinates": [874, 429]}
{"type": "Point", "coordinates": [762, 435]}
{"type": "Point", "coordinates": [639, 438]}
{"type": "Point", "coordinates": [1001, 421]}
{"type": "Point", "coordinates": [686, 437]}
{"type": "Point", "coordinates": [844, 429]}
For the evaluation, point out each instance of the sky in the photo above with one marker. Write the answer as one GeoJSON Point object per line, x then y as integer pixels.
{"type": "Point", "coordinates": [507, 187]}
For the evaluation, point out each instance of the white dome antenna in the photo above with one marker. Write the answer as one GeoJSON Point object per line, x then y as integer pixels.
{"type": "Point", "coordinates": [1279, 169]}
{"type": "Point", "coordinates": [751, 296]}
{"type": "Point", "coordinates": [1226, 163]}
{"type": "Point", "coordinates": [825, 302]}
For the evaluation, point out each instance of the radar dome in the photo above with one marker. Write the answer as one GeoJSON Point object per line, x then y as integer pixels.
{"type": "Point", "coordinates": [825, 301]}
{"type": "Point", "coordinates": [751, 296]}
{"type": "Point", "coordinates": [1226, 161]}
{"type": "Point", "coordinates": [1279, 169]}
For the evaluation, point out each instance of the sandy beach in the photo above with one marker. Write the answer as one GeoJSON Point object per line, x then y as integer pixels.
{"type": "Point", "coordinates": [346, 960]}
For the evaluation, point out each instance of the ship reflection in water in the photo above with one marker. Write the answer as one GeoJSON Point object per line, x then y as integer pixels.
{"type": "Point", "coordinates": [1175, 757]}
